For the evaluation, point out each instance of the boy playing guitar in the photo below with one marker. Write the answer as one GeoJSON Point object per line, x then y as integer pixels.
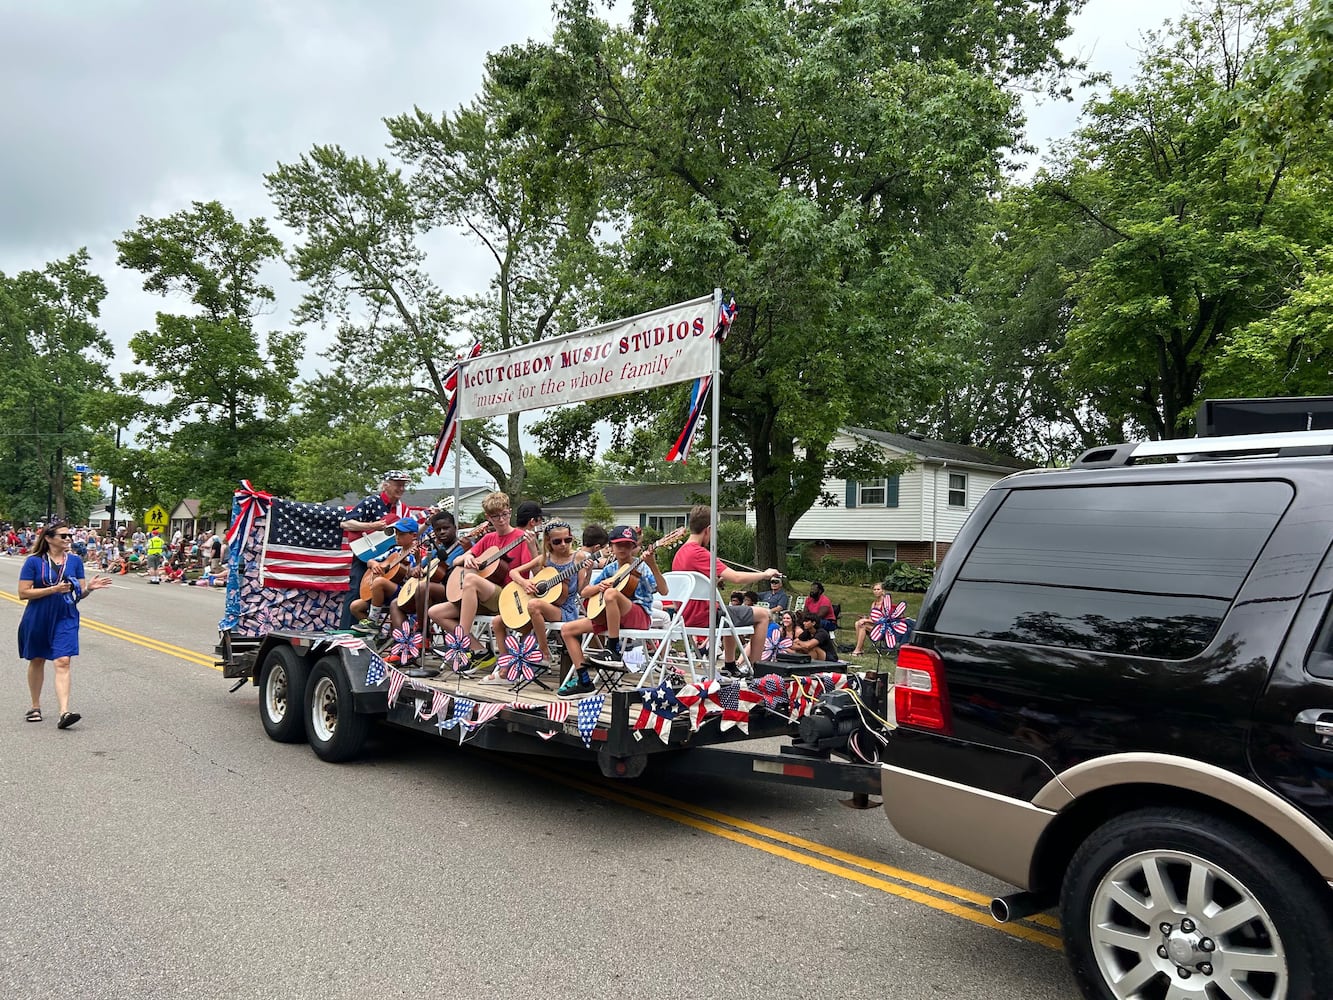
{"type": "Point", "coordinates": [622, 611]}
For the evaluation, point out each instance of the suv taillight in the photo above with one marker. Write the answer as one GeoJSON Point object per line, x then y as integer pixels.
{"type": "Point", "coordinates": [919, 698]}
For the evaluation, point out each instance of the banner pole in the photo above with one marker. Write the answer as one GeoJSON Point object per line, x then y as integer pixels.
{"type": "Point", "coordinates": [716, 387]}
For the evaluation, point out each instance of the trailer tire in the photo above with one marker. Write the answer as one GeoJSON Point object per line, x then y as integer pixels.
{"type": "Point", "coordinates": [282, 683]}
{"type": "Point", "coordinates": [334, 729]}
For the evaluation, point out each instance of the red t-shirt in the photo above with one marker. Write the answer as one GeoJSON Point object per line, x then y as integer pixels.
{"type": "Point", "coordinates": [517, 556]}
{"type": "Point", "coordinates": [694, 558]}
{"type": "Point", "coordinates": [820, 606]}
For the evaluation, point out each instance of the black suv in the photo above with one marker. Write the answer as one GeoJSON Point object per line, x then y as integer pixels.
{"type": "Point", "coordinates": [1119, 698]}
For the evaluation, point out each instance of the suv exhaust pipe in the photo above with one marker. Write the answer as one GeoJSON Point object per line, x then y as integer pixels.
{"type": "Point", "coordinates": [1019, 905]}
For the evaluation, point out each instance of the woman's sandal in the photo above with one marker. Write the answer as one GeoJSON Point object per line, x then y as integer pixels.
{"type": "Point", "coordinates": [68, 719]}
{"type": "Point", "coordinates": [34, 715]}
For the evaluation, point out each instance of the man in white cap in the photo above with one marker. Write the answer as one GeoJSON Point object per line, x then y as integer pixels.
{"type": "Point", "coordinates": [374, 513]}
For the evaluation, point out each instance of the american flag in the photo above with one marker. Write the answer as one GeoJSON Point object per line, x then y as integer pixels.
{"type": "Point", "coordinates": [659, 707]}
{"type": "Point", "coordinates": [378, 670]}
{"type": "Point", "coordinates": [590, 711]}
{"type": "Point", "coordinates": [803, 693]}
{"type": "Point", "coordinates": [438, 702]}
{"type": "Point", "coordinates": [450, 428]}
{"type": "Point", "coordinates": [726, 315]}
{"type": "Point", "coordinates": [396, 678]}
{"type": "Point", "coordinates": [557, 712]}
{"type": "Point", "coordinates": [462, 713]}
{"type": "Point", "coordinates": [304, 547]}
{"type": "Point", "coordinates": [772, 689]}
{"type": "Point", "coordinates": [834, 681]}
{"type": "Point", "coordinates": [520, 658]}
{"type": "Point", "coordinates": [345, 641]}
{"type": "Point", "coordinates": [700, 699]}
{"type": "Point", "coordinates": [737, 702]}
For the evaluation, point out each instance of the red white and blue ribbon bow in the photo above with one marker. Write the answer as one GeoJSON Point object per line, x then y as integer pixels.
{"type": "Point", "coordinates": [250, 505]}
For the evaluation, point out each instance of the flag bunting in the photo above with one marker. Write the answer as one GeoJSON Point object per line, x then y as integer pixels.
{"type": "Point", "coordinates": [680, 450]}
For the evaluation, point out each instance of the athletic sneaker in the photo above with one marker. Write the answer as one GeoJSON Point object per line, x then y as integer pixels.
{"type": "Point", "coordinates": [368, 626]}
{"type": "Point", "coordinates": [574, 687]}
{"type": "Point", "coordinates": [482, 659]}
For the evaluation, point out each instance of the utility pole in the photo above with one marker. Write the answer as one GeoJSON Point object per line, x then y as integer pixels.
{"type": "Point", "coordinates": [113, 493]}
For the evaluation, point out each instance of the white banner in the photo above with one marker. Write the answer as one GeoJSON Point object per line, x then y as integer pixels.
{"type": "Point", "coordinates": [658, 348]}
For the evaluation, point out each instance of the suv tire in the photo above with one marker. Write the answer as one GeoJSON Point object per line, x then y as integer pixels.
{"type": "Point", "coordinates": [1207, 872]}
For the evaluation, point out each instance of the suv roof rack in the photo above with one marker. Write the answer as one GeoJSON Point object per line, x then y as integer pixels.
{"type": "Point", "coordinates": [1289, 444]}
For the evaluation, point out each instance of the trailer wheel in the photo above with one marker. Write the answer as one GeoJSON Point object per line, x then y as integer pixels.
{"type": "Point", "coordinates": [335, 731]}
{"type": "Point", "coordinates": [282, 681]}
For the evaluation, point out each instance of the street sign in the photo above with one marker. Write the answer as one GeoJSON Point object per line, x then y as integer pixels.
{"type": "Point", "coordinates": [83, 468]}
{"type": "Point", "coordinates": [155, 517]}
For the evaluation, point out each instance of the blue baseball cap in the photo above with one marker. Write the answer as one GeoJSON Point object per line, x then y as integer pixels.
{"type": "Point", "coordinates": [407, 524]}
{"type": "Point", "coordinates": [624, 533]}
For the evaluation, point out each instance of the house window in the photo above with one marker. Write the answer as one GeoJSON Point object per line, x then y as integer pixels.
{"type": "Point", "coordinates": [664, 523]}
{"type": "Point", "coordinates": [957, 489]}
{"type": "Point", "coordinates": [886, 552]}
{"type": "Point", "coordinates": [872, 492]}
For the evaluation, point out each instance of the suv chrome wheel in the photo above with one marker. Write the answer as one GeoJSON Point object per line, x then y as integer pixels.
{"type": "Point", "coordinates": [1174, 924]}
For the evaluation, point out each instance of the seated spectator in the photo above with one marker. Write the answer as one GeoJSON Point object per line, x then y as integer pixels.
{"type": "Point", "coordinates": [749, 598]}
{"type": "Point", "coordinates": [879, 600]}
{"type": "Point", "coordinates": [776, 596]}
{"type": "Point", "coordinates": [812, 639]}
{"type": "Point", "coordinates": [819, 605]}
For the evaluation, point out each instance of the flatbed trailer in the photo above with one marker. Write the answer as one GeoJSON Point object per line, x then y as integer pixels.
{"type": "Point", "coordinates": [313, 688]}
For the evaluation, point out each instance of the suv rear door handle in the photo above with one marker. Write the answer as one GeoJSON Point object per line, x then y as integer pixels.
{"type": "Point", "coordinates": [1320, 720]}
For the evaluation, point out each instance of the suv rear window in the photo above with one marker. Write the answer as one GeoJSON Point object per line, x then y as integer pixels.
{"type": "Point", "coordinates": [1136, 569]}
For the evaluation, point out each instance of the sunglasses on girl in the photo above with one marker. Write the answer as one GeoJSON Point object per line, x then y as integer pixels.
{"type": "Point", "coordinates": [560, 541]}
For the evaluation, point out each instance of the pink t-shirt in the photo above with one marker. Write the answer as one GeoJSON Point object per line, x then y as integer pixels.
{"type": "Point", "coordinates": [819, 606]}
{"type": "Point", "coordinates": [694, 558]}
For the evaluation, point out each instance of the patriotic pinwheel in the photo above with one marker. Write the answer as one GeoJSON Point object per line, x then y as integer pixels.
{"type": "Point", "coordinates": [457, 650]}
{"type": "Point", "coordinates": [520, 659]}
{"type": "Point", "coordinates": [889, 624]}
{"type": "Point", "coordinates": [776, 643]}
{"type": "Point", "coordinates": [407, 640]}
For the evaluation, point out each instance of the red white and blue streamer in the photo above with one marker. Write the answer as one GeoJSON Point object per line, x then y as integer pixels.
{"type": "Point", "coordinates": [680, 451]}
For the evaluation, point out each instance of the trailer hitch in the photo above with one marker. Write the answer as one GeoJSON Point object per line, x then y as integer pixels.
{"type": "Point", "coordinates": [860, 800]}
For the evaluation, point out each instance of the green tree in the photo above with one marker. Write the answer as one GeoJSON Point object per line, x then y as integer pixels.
{"type": "Point", "coordinates": [550, 479]}
{"type": "Point", "coordinates": [1207, 215]}
{"type": "Point", "coordinates": [598, 510]}
{"type": "Point", "coordinates": [54, 373]}
{"type": "Point", "coordinates": [213, 399]}
{"type": "Point", "coordinates": [824, 163]}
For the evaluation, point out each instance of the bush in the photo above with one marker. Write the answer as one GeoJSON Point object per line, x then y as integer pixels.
{"type": "Point", "coordinates": [906, 577]}
{"type": "Point", "coordinates": [735, 542]}
{"type": "Point", "coordinates": [799, 564]}
{"type": "Point", "coordinates": [879, 571]}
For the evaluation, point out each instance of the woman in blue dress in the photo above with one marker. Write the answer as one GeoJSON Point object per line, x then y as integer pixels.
{"type": "Point", "coordinates": [52, 583]}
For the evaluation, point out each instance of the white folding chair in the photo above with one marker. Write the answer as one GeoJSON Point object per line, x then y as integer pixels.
{"type": "Point", "coordinates": [679, 588]}
{"type": "Point", "coordinates": [702, 590]}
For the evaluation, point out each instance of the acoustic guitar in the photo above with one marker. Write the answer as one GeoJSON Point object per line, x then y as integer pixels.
{"type": "Point", "coordinates": [626, 578]}
{"type": "Point", "coordinates": [486, 563]}
{"type": "Point", "coordinates": [436, 571]}
{"type": "Point", "coordinates": [551, 583]}
{"type": "Point", "coordinates": [394, 566]}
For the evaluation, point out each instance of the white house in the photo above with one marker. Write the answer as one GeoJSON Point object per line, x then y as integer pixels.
{"type": "Point", "coordinates": [913, 516]}
{"type": "Point", "coordinates": [662, 507]}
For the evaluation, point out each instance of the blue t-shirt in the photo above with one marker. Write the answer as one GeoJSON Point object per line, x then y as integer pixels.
{"type": "Point", "coordinates": [569, 607]}
{"type": "Point", "coordinates": [643, 593]}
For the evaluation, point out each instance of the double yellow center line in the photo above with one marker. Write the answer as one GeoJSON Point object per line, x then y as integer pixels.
{"type": "Point", "coordinates": [938, 895]}
{"type": "Point", "coordinates": [943, 896]}
{"type": "Point", "coordinates": [156, 645]}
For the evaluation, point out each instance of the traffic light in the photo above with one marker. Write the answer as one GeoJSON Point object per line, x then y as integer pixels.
{"type": "Point", "coordinates": [78, 482]}
{"type": "Point", "coordinates": [97, 480]}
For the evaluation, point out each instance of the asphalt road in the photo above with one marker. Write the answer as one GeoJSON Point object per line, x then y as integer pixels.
{"type": "Point", "coordinates": [164, 847]}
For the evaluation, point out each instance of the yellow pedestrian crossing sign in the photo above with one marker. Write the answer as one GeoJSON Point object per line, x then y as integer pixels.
{"type": "Point", "coordinates": [155, 517]}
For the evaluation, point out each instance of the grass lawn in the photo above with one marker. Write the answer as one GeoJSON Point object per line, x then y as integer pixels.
{"type": "Point", "coordinates": [855, 600]}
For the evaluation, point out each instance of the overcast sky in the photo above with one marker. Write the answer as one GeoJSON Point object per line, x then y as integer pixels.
{"type": "Point", "coordinates": [113, 109]}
